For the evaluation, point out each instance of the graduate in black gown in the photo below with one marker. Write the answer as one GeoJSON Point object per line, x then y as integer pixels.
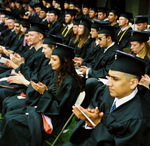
{"type": "Point", "coordinates": [26, 124]}
{"type": "Point", "coordinates": [100, 65]}
{"type": "Point", "coordinates": [55, 25]}
{"type": "Point", "coordinates": [44, 76]}
{"type": "Point", "coordinates": [120, 112]}
{"type": "Point", "coordinates": [123, 34]}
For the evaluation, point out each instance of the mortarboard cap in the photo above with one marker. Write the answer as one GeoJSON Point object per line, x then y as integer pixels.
{"type": "Point", "coordinates": [52, 39]}
{"type": "Point", "coordinates": [25, 22]}
{"type": "Point", "coordinates": [19, 1]}
{"type": "Point", "coordinates": [86, 22]}
{"type": "Point", "coordinates": [94, 9]}
{"type": "Point", "coordinates": [54, 10]}
{"type": "Point", "coordinates": [44, 9]}
{"type": "Point", "coordinates": [58, 1]}
{"type": "Point", "coordinates": [142, 18]}
{"type": "Point", "coordinates": [102, 9]}
{"type": "Point", "coordinates": [31, 4]}
{"type": "Point", "coordinates": [12, 16]}
{"type": "Point", "coordinates": [106, 29]}
{"type": "Point", "coordinates": [78, 5]}
{"type": "Point", "coordinates": [76, 22]}
{"type": "Point", "coordinates": [72, 2]}
{"type": "Point", "coordinates": [38, 27]}
{"type": "Point", "coordinates": [72, 12]}
{"type": "Point", "coordinates": [63, 51]}
{"type": "Point", "coordinates": [139, 36]}
{"type": "Point", "coordinates": [127, 15]}
{"type": "Point", "coordinates": [36, 5]}
{"type": "Point", "coordinates": [97, 24]}
{"type": "Point", "coordinates": [114, 11]}
{"type": "Point", "coordinates": [66, 1]}
{"type": "Point", "coordinates": [85, 6]}
{"type": "Point", "coordinates": [128, 63]}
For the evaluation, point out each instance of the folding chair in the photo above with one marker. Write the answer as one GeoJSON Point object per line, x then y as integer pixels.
{"type": "Point", "coordinates": [78, 102]}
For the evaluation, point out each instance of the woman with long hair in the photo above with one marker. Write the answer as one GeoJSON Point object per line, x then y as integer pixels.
{"type": "Point", "coordinates": [84, 38]}
{"type": "Point", "coordinates": [53, 108]}
{"type": "Point", "coordinates": [74, 37]}
{"type": "Point", "coordinates": [141, 48]}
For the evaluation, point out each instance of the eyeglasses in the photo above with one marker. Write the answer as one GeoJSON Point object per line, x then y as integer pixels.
{"type": "Point", "coordinates": [102, 38]}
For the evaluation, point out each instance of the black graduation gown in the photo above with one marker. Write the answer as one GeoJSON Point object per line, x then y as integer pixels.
{"type": "Point", "coordinates": [91, 53]}
{"type": "Point", "coordinates": [102, 62]}
{"type": "Point", "coordinates": [125, 42]}
{"type": "Point", "coordinates": [72, 43]}
{"type": "Point", "coordinates": [127, 125]}
{"type": "Point", "coordinates": [81, 52]}
{"type": "Point", "coordinates": [55, 28]}
{"type": "Point", "coordinates": [66, 35]}
{"type": "Point", "coordinates": [57, 106]}
{"type": "Point", "coordinates": [45, 75]}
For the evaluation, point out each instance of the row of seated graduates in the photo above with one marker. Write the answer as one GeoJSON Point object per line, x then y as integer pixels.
{"type": "Point", "coordinates": [86, 23]}
{"type": "Point", "coordinates": [34, 67]}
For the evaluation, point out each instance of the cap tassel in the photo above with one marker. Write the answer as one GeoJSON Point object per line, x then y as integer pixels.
{"type": "Point", "coordinates": [24, 42]}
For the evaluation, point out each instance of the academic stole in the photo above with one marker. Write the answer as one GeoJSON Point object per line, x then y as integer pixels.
{"type": "Point", "coordinates": [65, 30]}
{"type": "Point", "coordinates": [122, 34]}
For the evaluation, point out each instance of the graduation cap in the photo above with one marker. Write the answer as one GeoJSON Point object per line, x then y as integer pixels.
{"type": "Point", "coordinates": [12, 16]}
{"type": "Point", "coordinates": [114, 11]}
{"type": "Point", "coordinates": [94, 9]}
{"type": "Point", "coordinates": [128, 63]}
{"type": "Point", "coordinates": [78, 5]}
{"type": "Point", "coordinates": [72, 2]}
{"type": "Point", "coordinates": [102, 9]}
{"type": "Point", "coordinates": [142, 18]}
{"type": "Point", "coordinates": [19, 1]}
{"type": "Point", "coordinates": [85, 6]}
{"type": "Point", "coordinates": [54, 10]}
{"type": "Point", "coordinates": [106, 29]}
{"type": "Point", "coordinates": [52, 39]}
{"type": "Point", "coordinates": [25, 22]}
{"type": "Point", "coordinates": [36, 5]}
{"type": "Point", "coordinates": [72, 12]}
{"type": "Point", "coordinates": [58, 1]}
{"type": "Point", "coordinates": [63, 51]}
{"type": "Point", "coordinates": [139, 36]}
{"type": "Point", "coordinates": [44, 9]}
{"type": "Point", "coordinates": [127, 15]}
{"type": "Point", "coordinates": [97, 24]}
{"type": "Point", "coordinates": [31, 4]}
{"type": "Point", "coordinates": [86, 22]}
{"type": "Point", "coordinates": [66, 1]}
{"type": "Point", "coordinates": [38, 27]}
{"type": "Point", "coordinates": [76, 21]}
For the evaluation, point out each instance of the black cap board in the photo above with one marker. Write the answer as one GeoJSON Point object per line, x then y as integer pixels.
{"type": "Point", "coordinates": [72, 12]}
{"type": "Point", "coordinates": [128, 63]}
{"type": "Point", "coordinates": [139, 36]}
{"type": "Point", "coordinates": [105, 29]}
{"type": "Point", "coordinates": [63, 51]}
{"type": "Point", "coordinates": [52, 39]}
{"type": "Point", "coordinates": [141, 19]}
{"type": "Point", "coordinates": [127, 15]}
{"type": "Point", "coordinates": [86, 22]}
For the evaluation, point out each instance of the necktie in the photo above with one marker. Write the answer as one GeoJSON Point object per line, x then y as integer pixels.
{"type": "Point", "coordinates": [113, 107]}
{"type": "Point", "coordinates": [94, 45]}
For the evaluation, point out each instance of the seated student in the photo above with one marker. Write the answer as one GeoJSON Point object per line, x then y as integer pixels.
{"type": "Point", "coordinates": [85, 10]}
{"type": "Point", "coordinates": [74, 40]}
{"type": "Point", "coordinates": [120, 112]}
{"type": "Point", "coordinates": [102, 14]}
{"type": "Point", "coordinates": [102, 62]}
{"type": "Point", "coordinates": [112, 18]}
{"type": "Point", "coordinates": [54, 104]}
{"type": "Point", "coordinates": [84, 38]}
{"type": "Point", "coordinates": [142, 23]}
{"type": "Point", "coordinates": [123, 33]}
{"type": "Point", "coordinates": [139, 44]}
{"type": "Point", "coordinates": [68, 28]}
{"type": "Point", "coordinates": [44, 76]}
{"type": "Point", "coordinates": [93, 13]}
{"type": "Point", "coordinates": [55, 25]}
{"type": "Point", "coordinates": [43, 13]}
